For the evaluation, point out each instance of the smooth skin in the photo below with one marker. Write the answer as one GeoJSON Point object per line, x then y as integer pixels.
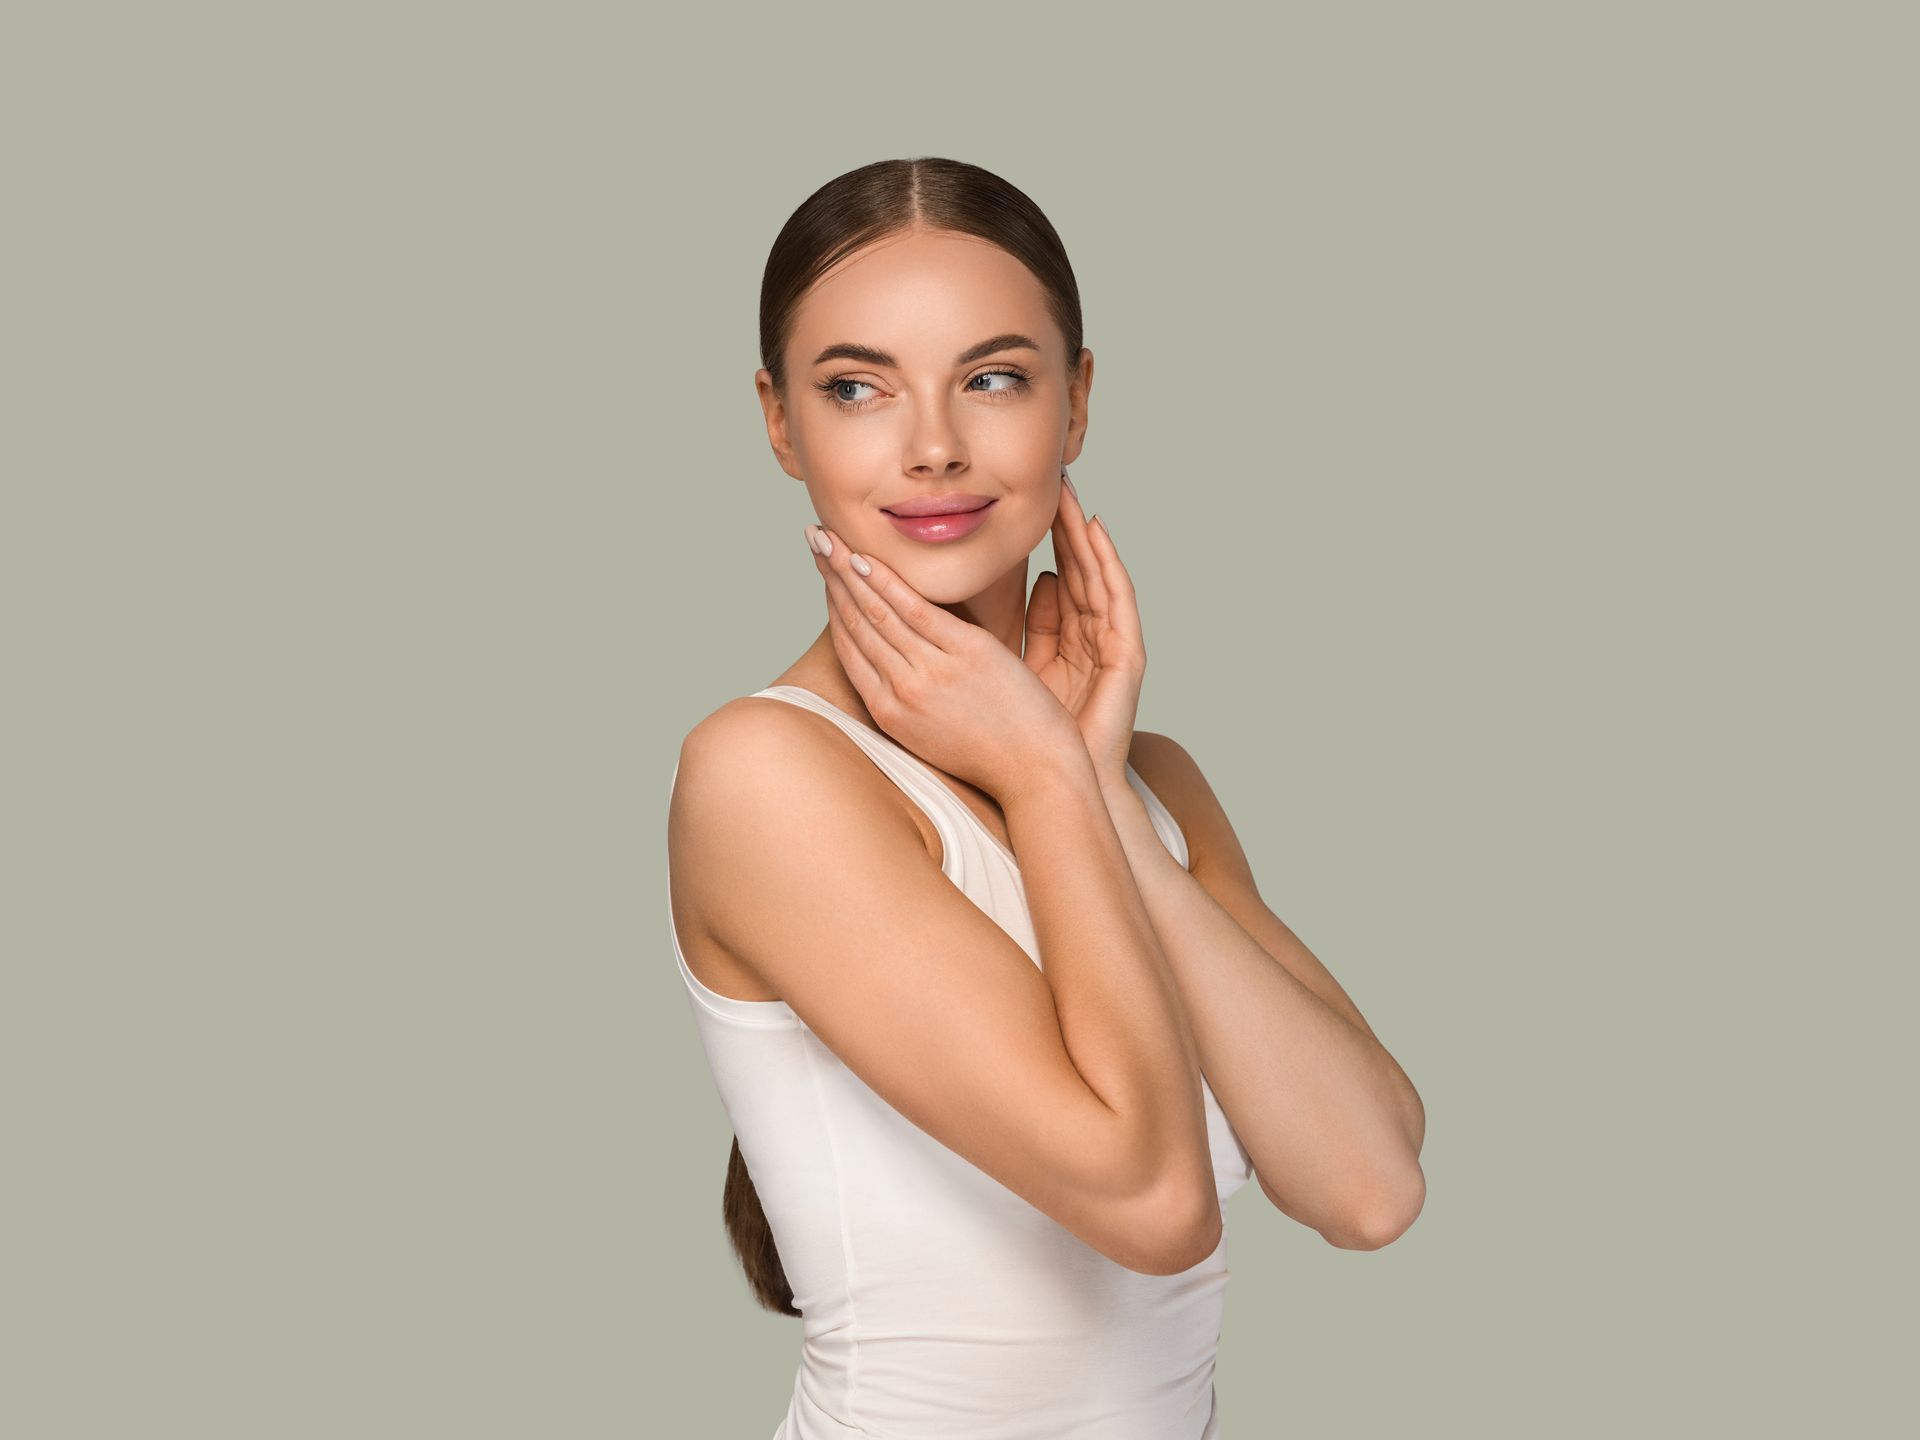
{"type": "Point", "coordinates": [953, 695]}
{"type": "Point", "coordinates": [1077, 1089]}
{"type": "Point", "coordinates": [947, 691]}
{"type": "Point", "coordinates": [936, 1007]}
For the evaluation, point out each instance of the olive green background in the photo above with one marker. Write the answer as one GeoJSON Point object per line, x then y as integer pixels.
{"type": "Point", "coordinates": [1506, 411]}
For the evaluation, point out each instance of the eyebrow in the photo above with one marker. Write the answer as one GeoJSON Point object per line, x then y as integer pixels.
{"type": "Point", "coordinates": [846, 350]}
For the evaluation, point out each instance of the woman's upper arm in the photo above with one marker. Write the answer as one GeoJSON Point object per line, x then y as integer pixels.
{"type": "Point", "coordinates": [820, 883]}
{"type": "Point", "coordinates": [1218, 861]}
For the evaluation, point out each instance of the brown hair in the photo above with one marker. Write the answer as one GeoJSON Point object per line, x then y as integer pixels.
{"type": "Point", "coordinates": [849, 212]}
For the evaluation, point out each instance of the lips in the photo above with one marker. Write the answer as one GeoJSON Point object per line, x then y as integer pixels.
{"type": "Point", "coordinates": [942, 525]}
{"type": "Point", "coordinates": [951, 504]}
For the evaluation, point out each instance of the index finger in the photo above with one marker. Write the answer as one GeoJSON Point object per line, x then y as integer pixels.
{"type": "Point", "coordinates": [924, 619]}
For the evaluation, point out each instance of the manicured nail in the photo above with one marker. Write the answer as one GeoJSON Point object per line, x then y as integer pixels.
{"type": "Point", "coordinates": [859, 563]}
{"type": "Point", "coordinates": [1067, 480]}
{"type": "Point", "coordinates": [817, 540]}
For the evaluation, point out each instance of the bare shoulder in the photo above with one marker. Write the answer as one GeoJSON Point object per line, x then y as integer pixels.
{"type": "Point", "coordinates": [1175, 776]}
{"type": "Point", "coordinates": [761, 745]}
{"type": "Point", "coordinates": [755, 755]}
{"type": "Point", "coordinates": [1219, 862]}
{"type": "Point", "coordinates": [1170, 772]}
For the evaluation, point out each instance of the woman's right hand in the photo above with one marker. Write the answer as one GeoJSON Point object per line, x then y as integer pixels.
{"type": "Point", "coordinates": [940, 686]}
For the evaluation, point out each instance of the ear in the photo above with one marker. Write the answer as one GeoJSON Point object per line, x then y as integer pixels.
{"type": "Point", "coordinates": [775, 411]}
{"type": "Point", "coordinates": [1042, 640]}
{"type": "Point", "coordinates": [1078, 389]}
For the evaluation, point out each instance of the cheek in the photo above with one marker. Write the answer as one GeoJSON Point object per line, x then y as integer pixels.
{"type": "Point", "coordinates": [843, 461]}
{"type": "Point", "coordinates": [843, 449]}
{"type": "Point", "coordinates": [1018, 446]}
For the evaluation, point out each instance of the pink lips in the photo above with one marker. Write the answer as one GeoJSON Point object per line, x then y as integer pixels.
{"type": "Point", "coordinates": [935, 527]}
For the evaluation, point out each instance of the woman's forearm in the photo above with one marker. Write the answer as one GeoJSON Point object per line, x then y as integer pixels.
{"type": "Point", "coordinates": [1118, 1003]}
{"type": "Point", "coordinates": [1320, 1106]}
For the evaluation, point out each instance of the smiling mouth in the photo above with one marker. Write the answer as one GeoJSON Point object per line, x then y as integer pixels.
{"type": "Point", "coordinates": [941, 527]}
{"type": "Point", "coordinates": [923, 510]}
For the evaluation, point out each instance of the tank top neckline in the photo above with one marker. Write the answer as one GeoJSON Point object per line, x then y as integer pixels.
{"type": "Point", "coordinates": [932, 775]}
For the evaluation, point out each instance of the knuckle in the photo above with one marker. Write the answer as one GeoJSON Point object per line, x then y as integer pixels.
{"type": "Point", "coordinates": [907, 692]}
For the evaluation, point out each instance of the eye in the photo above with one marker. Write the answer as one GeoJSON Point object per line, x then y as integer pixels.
{"type": "Point", "coordinates": [831, 389]}
{"type": "Point", "coordinates": [1019, 381]}
{"type": "Point", "coordinates": [1018, 376]}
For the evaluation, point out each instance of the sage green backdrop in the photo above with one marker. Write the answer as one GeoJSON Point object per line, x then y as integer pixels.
{"type": "Point", "coordinates": [1506, 411]}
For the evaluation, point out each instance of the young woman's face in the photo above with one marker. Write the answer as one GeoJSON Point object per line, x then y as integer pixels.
{"type": "Point", "coordinates": [924, 367]}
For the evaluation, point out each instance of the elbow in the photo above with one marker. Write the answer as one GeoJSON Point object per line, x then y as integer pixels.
{"type": "Point", "coordinates": [1162, 1219]}
{"type": "Point", "coordinates": [1378, 1224]}
{"type": "Point", "coordinates": [1187, 1234]}
{"type": "Point", "coordinates": [1164, 1230]}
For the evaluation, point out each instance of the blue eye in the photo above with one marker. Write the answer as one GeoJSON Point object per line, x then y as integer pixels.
{"type": "Point", "coordinates": [1019, 378]}
{"type": "Point", "coordinates": [831, 388]}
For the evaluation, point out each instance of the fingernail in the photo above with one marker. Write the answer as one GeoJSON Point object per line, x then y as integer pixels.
{"type": "Point", "coordinates": [859, 563]}
{"type": "Point", "coordinates": [1067, 480]}
{"type": "Point", "coordinates": [817, 539]}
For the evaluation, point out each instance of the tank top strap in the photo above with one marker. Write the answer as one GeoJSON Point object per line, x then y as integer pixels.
{"type": "Point", "coordinates": [930, 793]}
{"type": "Point", "coordinates": [900, 765]}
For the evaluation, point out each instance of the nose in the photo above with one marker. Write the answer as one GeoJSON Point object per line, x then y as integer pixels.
{"type": "Point", "coordinates": [934, 448]}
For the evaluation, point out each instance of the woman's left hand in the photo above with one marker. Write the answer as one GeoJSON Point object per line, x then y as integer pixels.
{"type": "Point", "coordinates": [1083, 636]}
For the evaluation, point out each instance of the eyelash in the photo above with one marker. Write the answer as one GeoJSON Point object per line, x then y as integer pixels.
{"type": "Point", "coordinates": [828, 387]}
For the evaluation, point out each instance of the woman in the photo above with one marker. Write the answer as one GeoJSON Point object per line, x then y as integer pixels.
{"type": "Point", "coordinates": [965, 986]}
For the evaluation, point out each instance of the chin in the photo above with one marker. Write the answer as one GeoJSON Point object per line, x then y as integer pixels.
{"type": "Point", "coordinates": [953, 581]}
{"type": "Point", "coordinates": [946, 590]}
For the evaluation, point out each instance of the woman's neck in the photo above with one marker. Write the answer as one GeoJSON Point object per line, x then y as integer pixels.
{"type": "Point", "coordinates": [1000, 609]}
{"type": "Point", "coordinates": [819, 670]}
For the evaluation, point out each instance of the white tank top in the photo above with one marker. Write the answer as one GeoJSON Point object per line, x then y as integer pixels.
{"type": "Point", "coordinates": [935, 1302]}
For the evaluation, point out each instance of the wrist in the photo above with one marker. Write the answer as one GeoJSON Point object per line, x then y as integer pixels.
{"type": "Point", "coordinates": [1124, 804]}
{"type": "Point", "coordinates": [1061, 770]}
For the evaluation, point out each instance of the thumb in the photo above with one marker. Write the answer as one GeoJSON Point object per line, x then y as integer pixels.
{"type": "Point", "coordinates": [1042, 641]}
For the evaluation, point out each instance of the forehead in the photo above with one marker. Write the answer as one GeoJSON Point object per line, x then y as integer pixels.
{"type": "Point", "coordinates": [922, 296]}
